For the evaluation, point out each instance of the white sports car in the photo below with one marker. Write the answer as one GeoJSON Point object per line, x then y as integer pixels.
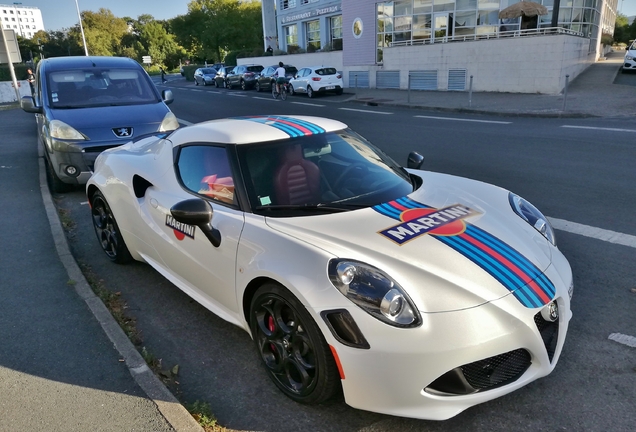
{"type": "Point", "coordinates": [418, 294]}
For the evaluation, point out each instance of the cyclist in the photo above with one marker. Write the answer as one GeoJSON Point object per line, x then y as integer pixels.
{"type": "Point", "coordinates": [280, 74]}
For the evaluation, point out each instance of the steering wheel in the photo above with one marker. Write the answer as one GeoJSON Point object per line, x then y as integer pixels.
{"type": "Point", "coordinates": [347, 171]}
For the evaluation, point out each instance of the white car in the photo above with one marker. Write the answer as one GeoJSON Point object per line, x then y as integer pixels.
{"type": "Point", "coordinates": [418, 294]}
{"type": "Point", "coordinates": [316, 79]}
{"type": "Point", "coordinates": [629, 63]}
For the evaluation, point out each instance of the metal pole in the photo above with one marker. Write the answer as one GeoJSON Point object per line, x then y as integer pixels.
{"type": "Point", "coordinates": [356, 84]}
{"type": "Point", "coordinates": [81, 28]}
{"type": "Point", "coordinates": [470, 93]}
{"type": "Point", "coordinates": [10, 63]}
{"type": "Point", "coordinates": [408, 94]}
{"type": "Point", "coordinates": [565, 91]}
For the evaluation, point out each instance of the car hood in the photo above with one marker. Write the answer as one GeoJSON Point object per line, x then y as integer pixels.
{"type": "Point", "coordinates": [97, 123]}
{"type": "Point", "coordinates": [444, 266]}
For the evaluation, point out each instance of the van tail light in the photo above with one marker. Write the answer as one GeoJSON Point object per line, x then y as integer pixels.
{"type": "Point", "coordinates": [315, 79]}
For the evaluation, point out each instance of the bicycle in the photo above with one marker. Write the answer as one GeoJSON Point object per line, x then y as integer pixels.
{"type": "Point", "coordinates": [283, 91]}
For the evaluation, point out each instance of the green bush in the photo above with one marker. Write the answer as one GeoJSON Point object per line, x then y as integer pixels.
{"type": "Point", "coordinates": [20, 72]}
{"type": "Point", "coordinates": [188, 71]}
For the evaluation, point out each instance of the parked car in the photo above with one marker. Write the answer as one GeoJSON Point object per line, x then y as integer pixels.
{"type": "Point", "coordinates": [629, 62]}
{"type": "Point", "coordinates": [421, 294]}
{"type": "Point", "coordinates": [221, 75]}
{"type": "Point", "coordinates": [204, 76]}
{"type": "Point", "coordinates": [266, 79]}
{"type": "Point", "coordinates": [316, 79]}
{"type": "Point", "coordinates": [84, 105]}
{"type": "Point", "coordinates": [243, 76]}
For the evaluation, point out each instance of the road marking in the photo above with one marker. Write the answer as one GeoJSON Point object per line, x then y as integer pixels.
{"type": "Point", "coordinates": [308, 104]}
{"type": "Point", "coordinates": [366, 111]}
{"type": "Point", "coordinates": [265, 98]}
{"type": "Point", "coordinates": [236, 95]}
{"type": "Point", "coordinates": [462, 119]}
{"type": "Point", "coordinates": [600, 128]}
{"type": "Point", "coordinates": [593, 232]}
{"type": "Point", "coordinates": [623, 339]}
{"type": "Point", "coordinates": [185, 122]}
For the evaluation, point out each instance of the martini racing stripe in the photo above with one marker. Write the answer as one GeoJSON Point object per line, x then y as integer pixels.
{"type": "Point", "coordinates": [514, 271]}
{"type": "Point", "coordinates": [291, 126]}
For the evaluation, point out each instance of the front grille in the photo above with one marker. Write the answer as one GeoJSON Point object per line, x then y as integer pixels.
{"type": "Point", "coordinates": [549, 331]}
{"type": "Point", "coordinates": [498, 370]}
{"type": "Point", "coordinates": [482, 375]}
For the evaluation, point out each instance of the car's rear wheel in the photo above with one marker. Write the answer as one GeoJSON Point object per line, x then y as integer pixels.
{"type": "Point", "coordinates": [107, 230]}
{"type": "Point", "coordinates": [293, 349]}
{"type": "Point", "coordinates": [291, 90]}
{"type": "Point", "coordinates": [310, 92]}
{"type": "Point", "coordinates": [55, 184]}
{"type": "Point", "coordinates": [196, 82]}
{"type": "Point", "coordinates": [339, 91]}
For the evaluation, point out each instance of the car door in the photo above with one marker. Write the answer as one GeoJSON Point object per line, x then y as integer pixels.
{"type": "Point", "coordinates": [208, 273]}
{"type": "Point", "coordinates": [266, 77]}
{"type": "Point", "coordinates": [302, 80]}
{"type": "Point", "coordinates": [235, 75]}
{"type": "Point", "coordinates": [197, 75]}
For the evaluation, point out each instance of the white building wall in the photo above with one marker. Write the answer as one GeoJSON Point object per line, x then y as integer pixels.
{"type": "Point", "coordinates": [24, 20]}
{"type": "Point", "coordinates": [359, 51]}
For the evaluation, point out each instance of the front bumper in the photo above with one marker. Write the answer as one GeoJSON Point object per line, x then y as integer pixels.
{"type": "Point", "coordinates": [629, 64]}
{"type": "Point", "coordinates": [65, 155]}
{"type": "Point", "coordinates": [395, 374]}
{"type": "Point", "coordinates": [328, 88]}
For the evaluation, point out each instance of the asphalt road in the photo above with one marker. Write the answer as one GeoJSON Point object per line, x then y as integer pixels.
{"type": "Point", "coordinates": [573, 170]}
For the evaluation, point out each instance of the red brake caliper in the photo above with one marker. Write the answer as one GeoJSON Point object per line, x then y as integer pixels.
{"type": "Point", "coordinates": [271, 327]}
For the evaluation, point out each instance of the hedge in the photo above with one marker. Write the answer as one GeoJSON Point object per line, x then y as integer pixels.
{"type": "Point", "coordinates": [20, 72]}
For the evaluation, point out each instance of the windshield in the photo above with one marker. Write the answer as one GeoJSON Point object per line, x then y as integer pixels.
{"type": "Point", "coordinates": [98, 87]}
{"type": "Point", "coordinates": [332, 171]}
{"type": "Point", "coordinates": [208, 71]}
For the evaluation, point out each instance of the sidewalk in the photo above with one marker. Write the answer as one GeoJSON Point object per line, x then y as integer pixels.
{"type": "Point", "coordinates": [65, 364]}
{"type": "Point", "coordinates": [591, 94]}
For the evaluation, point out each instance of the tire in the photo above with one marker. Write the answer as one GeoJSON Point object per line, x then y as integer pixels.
{"type": "Point", "coordinates": [196, 82]}
{"type": "Point", "coordinates": [107, 230]}
{"type": "Point", "coordinates": [226, 84]}
{"type": "Point", "coordinates": [204, 82]}
{"type": "Point", "coordinates": [55, 184]}
{"type": "Point", "coordinates": [283, 93]}
{"type": "Point", "coordinates": [243, 85]}
{"type": "Point", "coordinates": [216, 83]}
{"type": "Point", "coordinates": [310, 92]}
{"type": "Point", "coordinates": [339, 91]}
{"type": "Point", "coordinates": [291, 90]}
{"type": "Point", "coordinates": [292, 348]}
{"type": "Point", "coordinates": [274, 92]}
{"type": "Point", "coordinates": [258, 87]}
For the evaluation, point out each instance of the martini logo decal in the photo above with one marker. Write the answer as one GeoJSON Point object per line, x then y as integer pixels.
{"type": "Point", "coordinates": [181, 230]}
{"type": "Point", "coordinates": [513, 270]}
{"type": "Point", "coordinates": [416, 222]}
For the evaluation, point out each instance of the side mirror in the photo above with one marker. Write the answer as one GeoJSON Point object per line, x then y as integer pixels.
{"type": "Point", "coordinates": [199, 213]}
{"type": "Point", "coordinates": [167, 96]}
{"type": "Point", "coordinates": [415, 160]}
{"type": "Point", "coordinates": [28, 105]}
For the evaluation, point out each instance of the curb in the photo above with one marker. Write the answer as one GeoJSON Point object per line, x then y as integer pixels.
{"type": "Point", "coordinates": [175, 414]}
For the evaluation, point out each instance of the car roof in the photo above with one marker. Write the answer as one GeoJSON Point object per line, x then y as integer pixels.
{"type": "Point", "coordinates": [253, 129]}
{"type": "Point", "coordinates": [81, 62]}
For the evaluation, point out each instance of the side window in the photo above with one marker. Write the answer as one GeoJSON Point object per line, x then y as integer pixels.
{"type": "Point", "coordinates": [205, 170]}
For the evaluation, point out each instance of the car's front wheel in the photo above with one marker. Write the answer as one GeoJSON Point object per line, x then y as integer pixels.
{"type": "Point", "coordinates": [258, 87]}
{"type": "Point", "coordinates": [291, 90]}
{"type": "Point", "coordinates": [196, 82]}
{"type": "Point", "coordinates": [293, 349]}
{"type": "Point", "coordinates": [107, 230]}
{"type": "Point", "coordinates": [216, 83]}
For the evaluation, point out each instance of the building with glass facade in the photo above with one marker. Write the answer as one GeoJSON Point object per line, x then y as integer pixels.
{"type": "Point", "coordinates": [384, 42]}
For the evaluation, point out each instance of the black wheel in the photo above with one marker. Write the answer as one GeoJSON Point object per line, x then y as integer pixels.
{"type": "Point", "coordinates": [216, 83]}
{"type": "Point", "coordinates": [283, 92]}
{"type": "Point", "coordinates": [339, 91]}
{"type": "Point", "coordinates": [226, 84]}
{"type": "Point", "coordinates": [107, 230]}
{"type": "Point", "coordinates": [196, 83]}
{"type": "Point", "coordinates": [293, 350]}
{"type": "Point", "coordinates": [258, 87]}
{"type": "Point", "coordinates": [310, 92]}
{"type": "Point", "coordinates": [55, 184]}
{"type": "Point", "coordinates": [274, 92]}
{"type": "Point", "coordinates": [204, 82]}
{"type": "Point", "coordinates": [291, 90]}
{"type": "Point", "coordinates": [243, 85]}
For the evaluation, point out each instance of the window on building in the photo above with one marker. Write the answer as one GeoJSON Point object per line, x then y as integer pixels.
{"type": "Point", "coordinates": [291, 35]}
{"type": "Point", "coordinates": [307, 1]}
{"type": "Point", "coordinates": [313, 35]}
{"type": "Point", "coordinates": [335, 24]}
{"type": "Point", "coordinates": [287, 4]}
{"type": "Point", "coordinates": [11, 12]}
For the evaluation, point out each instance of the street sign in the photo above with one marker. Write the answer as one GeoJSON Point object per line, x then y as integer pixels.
{"type": "Point", "coordinates": [146, 59]}
{"type": "Point", "coordinates": [10, 42]}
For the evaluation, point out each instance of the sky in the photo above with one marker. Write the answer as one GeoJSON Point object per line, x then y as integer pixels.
{"type": "Point", "coordinates": [59, 14]}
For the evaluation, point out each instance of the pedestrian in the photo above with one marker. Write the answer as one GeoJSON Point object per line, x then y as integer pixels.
{"type": "Point", "coordinates": [163, 75]}
{"type": "Point", "coordinates": [31, 80]}
{"type": "Point", "coordinates": [269, 49]}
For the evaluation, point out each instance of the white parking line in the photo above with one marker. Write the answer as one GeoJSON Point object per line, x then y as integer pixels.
{"type": "Point", "coordinates": [623, 339]}
{"type": "Point", "coordinates": [600, 128]}
{"type": "Point", "coordinates": [366, 111]}
{"type": "Point", "coordinates": [593, 232]}
{"type": "Point", "coordinates": [308, 104]}
{"type": "Point", "coordinates": [236, 95]}
{"type": "Point", "coordinates": [265, 98]}
{"type": "Point", "coordinates": [462, 119]}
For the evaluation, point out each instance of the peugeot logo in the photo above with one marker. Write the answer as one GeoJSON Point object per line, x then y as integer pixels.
{"type": "Point", "coordinates": [123, 132]}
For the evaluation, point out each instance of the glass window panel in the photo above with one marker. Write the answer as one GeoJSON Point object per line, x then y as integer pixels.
{"type": "Point", "coordinates": [385, 25]}
{"type": "Point", "coordinates": [567, 3]}
{"type": "Point", "coordinates": [565, 15]}
{"type": "Point", "coordinates": [482, 30]}
{"type": "Point", "coordinates": [422, 26]}
{"type": "Point", "coordinates": [422, 6]}
{"type": "Point", "coordinates": [490, 17]}
{"type": "Point", "coordinates": [403, 7]}
{"type": "Point", "coordinates": [578, 3]}
{"type": "Point", "coordinates": [402, 23]}
{"type": "Point", "coordinates": [488, 4]}
{"type": "Point", "coordinates": [589, 3]}
{"type": "Point", "coordinates": [466, 18]}
{"type": "Point", "coordinates": [464, 31]}
{"type": "Point", "coordinates": [587, 15]}
{"type": "Point", "coordinates": [401, 36]}
{"type": "Point", "coordinates": [577, 15]}
{"type": "Point", "coordinates": [388, 9]}
{"type": "Point", "coordinates": [466, 4]}
{"type": "Point", "coordinates": [548, 3]}
{"type": "Point", "coordinates": [443, 5]}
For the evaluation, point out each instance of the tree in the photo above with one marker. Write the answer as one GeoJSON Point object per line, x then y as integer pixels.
{"type": "Point", "coordinates": [621, 28]}
{"type": "Point", "coordinates": [103, 31]}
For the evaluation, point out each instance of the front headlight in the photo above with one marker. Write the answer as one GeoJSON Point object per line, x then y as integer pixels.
{"type": "Point", "coordinates": [60, 130]}
{"type": "Point", "coordinates": [628, 57]}
{"type": "Point", "coordinates": [375, 292]}
{"type": "Point", "coordinates": [169, 123]}
{"type": "Point", "coordinates": [534, 217]}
